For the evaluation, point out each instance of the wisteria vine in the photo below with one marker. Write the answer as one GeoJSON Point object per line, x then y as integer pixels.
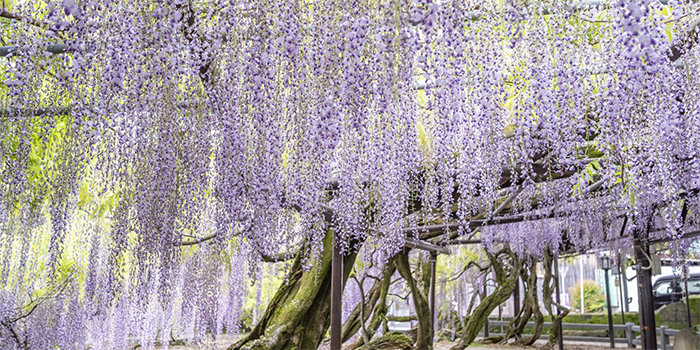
{"type": "Point", "coordinates": [147, 169]}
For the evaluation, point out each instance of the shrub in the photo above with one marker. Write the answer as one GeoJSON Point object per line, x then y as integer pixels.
{"type": "Point", "coordinates": [594, 298]}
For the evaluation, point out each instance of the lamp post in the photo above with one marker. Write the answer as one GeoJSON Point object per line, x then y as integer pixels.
{"type": "Point", "coordinates": [605, 265]}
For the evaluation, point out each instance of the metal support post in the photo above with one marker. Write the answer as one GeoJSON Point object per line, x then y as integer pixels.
{"type": "Point", "coordinates": [433, 277]}
{"type": "Point", "coordinates": [486, 328]}
{"type": "Point", "coordinates": [610, 318]}
{"type": "Point", "coordinates": [622, 280]}
{"type": "Point", "coordinates": [486, 324]}
{"type": "Point", "coordinates": [516, 301]}
{"type": "Point", "coordinates": [560, 332]}
{"type": "Point", "coordinates": [687, 296]}
{"type": "Point", "coordinates": [646, 296]}
{"type": "Point", "coordinates": [336, 295]}
{"type": "Point", "coordinates": [626, 297]}
{"type": "Point", "coordinates": [625, 302]}
{"type": "Point", "coordinates": [583, 308]}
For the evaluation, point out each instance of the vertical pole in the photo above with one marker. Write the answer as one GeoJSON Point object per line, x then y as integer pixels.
{"type": "Point", "coordinates": [583, 308]}
{"type": "Point", "coordinates": [516, 301]}
{"type": "Point", "coordinates": [458, 311]}
{"type": "Point", "coordinates": [560, 332]}
{"type": "Point", "coordinates": [486, 324]}
{"type": "Point", "coordinates": [622, 280]}
{"type": "Point", "coordinates": [433, 314]}
{"type": "Point", "coordinates": [687, 297]}
{"type": "Point", "coordinates": [663, 337]}
{"type": "Point", "coordinates": [336, 295]}
{"type": "Point", "coordinates": [623, 273]}
{"type": "Point", "coordinates": [607, 302]}
{"type": "Point", "coordinates": [452, 326]}
{"type": "Point", "coordinates": [500, 317]}
{"type": "Point", "coordinates": [630, 335]}
{"type": "Point", "coordinates": [646, 296]}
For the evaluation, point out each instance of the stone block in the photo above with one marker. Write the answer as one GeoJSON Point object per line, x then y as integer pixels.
{"type": "Point", "coordinates": [686, 339]}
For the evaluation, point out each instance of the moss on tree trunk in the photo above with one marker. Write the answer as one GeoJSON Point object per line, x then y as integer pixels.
{"type": "Point", "coordinates": [378, 307]}
{"type": "Point", "coordinates": [424, 339]}
{"type": "Point", "coordinates": [298, 316]}
{"type": "Point", "coordinates": [390, 341]}
{"type": "Point", "coordinates": [532, 305]}
{"type": "Point", "coordinates": [506, 277]}
{"type": "Point", "coordinates": [548, 289]}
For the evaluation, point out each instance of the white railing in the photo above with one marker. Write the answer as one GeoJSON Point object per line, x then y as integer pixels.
{"type": "Point", "coordinates": [630, 330]}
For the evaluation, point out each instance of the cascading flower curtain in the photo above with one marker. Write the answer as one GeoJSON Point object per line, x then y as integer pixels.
{"type": "Point", "coordinates": [257, 125]}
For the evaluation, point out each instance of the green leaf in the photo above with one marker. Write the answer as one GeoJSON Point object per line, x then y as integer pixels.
{"type": "Point", "coordinates": [84, 197]}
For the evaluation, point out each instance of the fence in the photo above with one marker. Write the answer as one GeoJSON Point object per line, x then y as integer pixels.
{"type": "Point", "coordinates": [630, 329]}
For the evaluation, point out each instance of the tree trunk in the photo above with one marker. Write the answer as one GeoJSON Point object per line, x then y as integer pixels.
{"type": "Point", "coordinates": [420, 299]}
{"type": "Point", "coordinates": [547, 290]}
{"type": "Point", "coordinates": [298, 316]}
{"type": "Point", "coordinates": [517, 324]}
{"type": "Point", "coordinates": [506, 277]}
{"type": "Point", "coordinates": [532, 304]}
{"type": "Point", "coordinates": [390, 341]}
{"type": "Point", "coordinates": [379, 311]}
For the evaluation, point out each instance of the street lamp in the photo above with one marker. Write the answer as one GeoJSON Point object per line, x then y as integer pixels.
{"type": "Point", "coordinates": [605, 265]}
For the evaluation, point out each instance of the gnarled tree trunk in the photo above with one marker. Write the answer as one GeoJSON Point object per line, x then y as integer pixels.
{"type": "Point", "coordinates": [532, 305]}
{"type": "Point", "coordinates": [376, 306]}
{"type": "Point", "coordinates": [548, 289]}
{"type": "Point", "coordinates": [298, 316]}
{"type": "Point", "coordinates": [420, 298]}
{"type": "Point", "coordinates": [506, 277]}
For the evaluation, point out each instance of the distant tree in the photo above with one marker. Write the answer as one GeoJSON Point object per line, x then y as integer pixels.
{"type": "Point", "coordinates": [593, 296]}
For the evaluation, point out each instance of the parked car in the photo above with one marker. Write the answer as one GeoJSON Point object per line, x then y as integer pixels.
{"type": "Point", "coordinates": [669, 289]}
